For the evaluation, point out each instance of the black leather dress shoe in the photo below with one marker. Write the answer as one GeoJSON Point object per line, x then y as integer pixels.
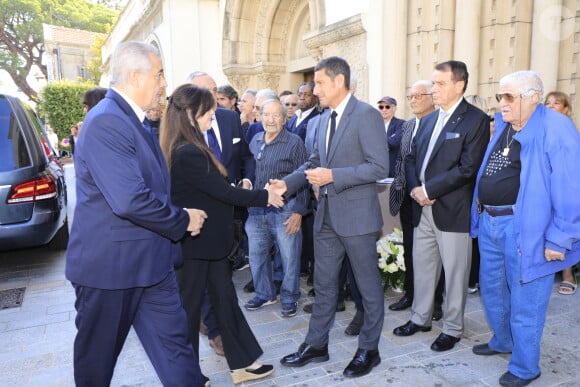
{"type": "Point", "coordinates": [353, 329]}
{"type": "Point", "coordinates": [444, 342]}
{"type": "Point", "coordinates": [410, 328]}
{"type": "Point", "coordinates": [362, 363]}
{"type": "Point", "coordinates": [437, 314]}
{"type": "Point", "coordinates": [509, 379]}
{"type": "Point", "coordinates": [306, 354]}
{"type": "Point", "coordinates": [404, 303]}
{"type": "Point", "coordinates": [484, 350]}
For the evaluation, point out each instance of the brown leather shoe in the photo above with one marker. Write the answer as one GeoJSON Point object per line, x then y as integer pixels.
{"type": "Point", "coordinates": [217, 345]}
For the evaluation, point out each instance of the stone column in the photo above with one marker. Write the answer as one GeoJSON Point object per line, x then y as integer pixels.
{"type": "Point", "coordinates": [386, 25]}
{"type": "Point", "coordinates": [467, 38]}
{"type": "Point", "coordinates": [545, 46]}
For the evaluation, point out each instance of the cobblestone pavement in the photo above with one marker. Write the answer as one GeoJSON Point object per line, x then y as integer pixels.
{"type": "Point", "coordinates": [36, 340]}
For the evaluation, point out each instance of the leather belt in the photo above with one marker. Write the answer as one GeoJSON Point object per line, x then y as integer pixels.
{"type": "Point", "coordinates": [498, 211]}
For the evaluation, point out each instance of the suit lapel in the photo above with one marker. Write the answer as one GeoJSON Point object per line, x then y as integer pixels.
{"type": "Point", "coordinates": [343, 125]}
{"type": "Point", "coordinates": [226, 136]}
{"type": "Point", "coordinates": [152, 143]}
{"type": "Point", "coordinates": [450, 125]}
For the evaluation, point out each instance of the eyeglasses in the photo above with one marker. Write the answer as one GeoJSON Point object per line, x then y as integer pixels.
{"type": "Point", "coordinates": [509, 97]}
{"type": "Point", "coordinates": [290, 104]}
{"type": "Point", "coordinates": [259, 157]}
{"type": "Point", "coordinates": [381, 107]}
{"type": "Point", "coordinates": [417, 96]}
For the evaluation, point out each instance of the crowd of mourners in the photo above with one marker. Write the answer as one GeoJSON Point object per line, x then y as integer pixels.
{"type": "Point", "coordinates": [171, 200]}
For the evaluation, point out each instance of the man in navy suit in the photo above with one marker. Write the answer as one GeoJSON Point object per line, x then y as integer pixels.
{"type": "Point", "coordinates": [121, 252]}
{"type": "Point", "coordinates": [308, 103]}
{"type": "Point", "coordinates": [394, 128]}
{"type": "Point", "coordinates": [440, 174]}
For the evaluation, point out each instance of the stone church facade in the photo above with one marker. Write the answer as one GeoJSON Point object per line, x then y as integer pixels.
{"type": "Point", "coordinates": [389, 44]}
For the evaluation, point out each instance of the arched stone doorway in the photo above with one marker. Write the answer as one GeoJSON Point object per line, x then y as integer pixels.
{"type": "Point", "coordinates": [263, 42]}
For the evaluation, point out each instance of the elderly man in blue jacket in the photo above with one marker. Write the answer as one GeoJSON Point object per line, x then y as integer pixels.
{"type": "Point", "coordinates": [527, 220]}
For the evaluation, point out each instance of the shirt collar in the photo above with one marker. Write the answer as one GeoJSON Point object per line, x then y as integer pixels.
{"type": "Point", "coordinates": [138, 111]}
{"type": "Point", "coordinates": [342, 105]}
{"type": "Point", "coordinates": [452, 109]}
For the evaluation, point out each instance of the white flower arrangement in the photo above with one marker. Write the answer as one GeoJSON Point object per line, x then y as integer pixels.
{"type": "Point", "coordinates": [391, 261]}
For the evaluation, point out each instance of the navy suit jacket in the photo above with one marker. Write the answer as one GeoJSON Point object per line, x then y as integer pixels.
{"type": "Point", "coordinates": [236, 155]}
{"type": "Point", "coordinates": [124, 223]}
{"type": "Point", "coordinates": [300, 130]}
{"type": "Point", "coordinates": [394, 135]}
{"type": "Point", "coordinates": [452, 167]}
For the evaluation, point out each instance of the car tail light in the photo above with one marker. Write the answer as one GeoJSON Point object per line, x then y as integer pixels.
{"type": "Point", "coordinates": [31, 191]}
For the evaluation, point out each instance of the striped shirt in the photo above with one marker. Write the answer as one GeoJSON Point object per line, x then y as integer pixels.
{"type": "Point", "coordinates": [276, 159]}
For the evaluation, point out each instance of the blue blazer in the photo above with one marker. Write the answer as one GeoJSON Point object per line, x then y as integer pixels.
{"type": "Point", "coordinates": [124, 225]}
{"type": "Point", "coordinates": [452, 166]}
{"type": "Point", "coordinates": [394, 135]}
{"type": "Point", "coordinates": [300, 130]}
{"type": "Point", "coordinates": [236, 155]}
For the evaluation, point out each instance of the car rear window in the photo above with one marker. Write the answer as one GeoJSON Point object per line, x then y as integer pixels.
{"type": "Point", "coordinates": [13, 150]}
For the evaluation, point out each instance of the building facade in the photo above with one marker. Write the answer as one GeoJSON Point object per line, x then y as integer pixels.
{"type": "Point", "coordinates": [389, 44]}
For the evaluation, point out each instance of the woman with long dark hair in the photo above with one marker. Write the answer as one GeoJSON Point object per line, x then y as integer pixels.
{"type": "Point", "coordinates": [199, 180]}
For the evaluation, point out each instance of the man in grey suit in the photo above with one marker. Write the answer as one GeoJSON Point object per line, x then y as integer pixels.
{"type": "Point", "coordinates": [348, 158]}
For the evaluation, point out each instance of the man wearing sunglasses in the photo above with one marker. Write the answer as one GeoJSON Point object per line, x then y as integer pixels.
{"type": "Point", "coordinates": [394, 128]}
{"type": "Point", "coordinates": [525, 213]}
{"type": "Point", "coordinates": [290, 101]}
{"type": "Point", "coordinates": [440, 173]}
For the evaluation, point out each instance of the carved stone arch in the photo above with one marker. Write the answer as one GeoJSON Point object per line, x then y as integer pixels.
{"type": "Point", "coordinates": [260, 39]}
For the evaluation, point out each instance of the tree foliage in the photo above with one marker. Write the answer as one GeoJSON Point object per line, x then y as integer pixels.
{"type": "Point", "coordinates": [61, 105]}
{"type": "Point", "coordinates": [21, 38]}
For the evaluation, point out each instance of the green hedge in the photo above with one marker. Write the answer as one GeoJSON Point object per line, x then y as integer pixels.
{"type": "Point", "coordinates": [61, 105]}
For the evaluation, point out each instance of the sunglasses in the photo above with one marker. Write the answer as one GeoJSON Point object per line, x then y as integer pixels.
{"type": "Point", "coordinates": [388, 107]}
{"type": "Point", "coordinates": [509, 98]}
{"type": "Point", "coordinates": [290, 104]}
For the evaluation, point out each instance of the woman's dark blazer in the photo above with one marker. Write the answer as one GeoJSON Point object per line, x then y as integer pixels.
{"type": "Point", "coordinates": [197, 183]}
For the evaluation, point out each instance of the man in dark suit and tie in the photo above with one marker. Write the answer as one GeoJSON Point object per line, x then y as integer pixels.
{"type": "Point", "coordinates": [121, 252]}
{"type": "Point", "coordinates": [440, 174]}
{"type": "Point", "coordinates": [308, 103]}
{"type": "Point", "coordinates": [393, 126]}
{"type": "Point", "coordinates": [228, 144]}
{"type": "Point", "coordinates": [348, 159]}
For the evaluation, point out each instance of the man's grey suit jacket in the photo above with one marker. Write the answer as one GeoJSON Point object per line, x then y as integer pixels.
{"type": "Point", "coordinates": [358, 159]}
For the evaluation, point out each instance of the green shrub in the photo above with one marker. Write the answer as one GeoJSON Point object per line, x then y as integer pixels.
{"type": "Point", "coordinates": [61, 105]}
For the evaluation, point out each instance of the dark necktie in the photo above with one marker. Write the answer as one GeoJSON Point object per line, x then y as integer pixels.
{"type": "Point", "coordinates": [214, 144]}
{"type": "Point", "coordinates": [332, 127]}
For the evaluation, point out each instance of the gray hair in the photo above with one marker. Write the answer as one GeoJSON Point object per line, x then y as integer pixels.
{"type": "Point", "coordinates": [128, 56]}
{"type": "Point", "coordinates": [277, 102]}
{"type": "Point", "coordinates": [477, 101]}
{"type": "Point", "coordinates": [250, 91]}
{"type": "Point", "coordinates": [268, 94]}
{"type": "Point", "coordinates": [194, 75]}
{"type": "Point", "coordinates": [525, 80]}
{"type": "Point", "coordinates": [425, 83]}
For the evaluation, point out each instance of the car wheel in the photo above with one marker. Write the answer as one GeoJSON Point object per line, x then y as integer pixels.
{"type": "Point", "coordinates": [60, 240]}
